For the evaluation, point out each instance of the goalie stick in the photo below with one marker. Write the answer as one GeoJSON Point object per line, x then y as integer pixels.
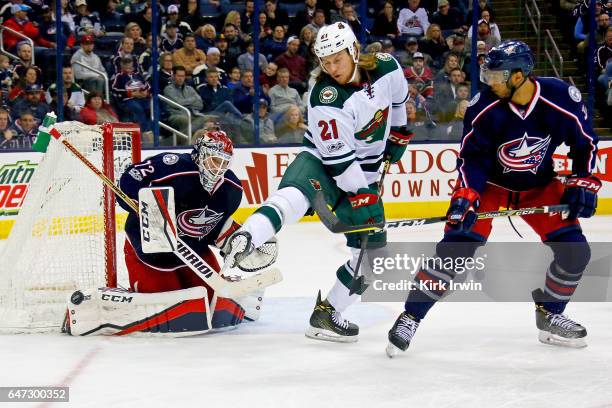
{"type": "Point", "coordinates": [224, 286]}
{"type": "Point", "coordinates": [337, 226]}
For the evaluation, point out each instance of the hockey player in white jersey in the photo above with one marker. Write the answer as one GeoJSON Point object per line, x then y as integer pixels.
{"type": "Point", "coordinates": [356, 118]}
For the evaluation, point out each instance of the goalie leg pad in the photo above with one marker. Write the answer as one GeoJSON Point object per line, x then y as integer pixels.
{"type": "Point", "coordinates": [227, 313]}
{"type": "Point", "coordinates": [118, 312]}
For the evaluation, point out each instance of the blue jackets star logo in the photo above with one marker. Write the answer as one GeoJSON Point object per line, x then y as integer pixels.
{"type": "Point", "coordinates": [523, 154]}
{"type": "Point", "coordinates": [199, 222]}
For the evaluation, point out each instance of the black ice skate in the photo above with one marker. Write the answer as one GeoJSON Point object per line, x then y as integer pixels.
{"type": "Point", "coordinates": [401, 333]}
{"type": "Point", "coordinates": [559, 330]}
{"type": "Point", "coordinates": [327, 324]}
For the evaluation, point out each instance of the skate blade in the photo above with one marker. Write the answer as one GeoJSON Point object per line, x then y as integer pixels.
{"type": "Point", "coordinates": [554, 340]}
{"type": "Point", "coordinates": [392, 350]}
{"type": "Point", "coordinates": [327, 335]}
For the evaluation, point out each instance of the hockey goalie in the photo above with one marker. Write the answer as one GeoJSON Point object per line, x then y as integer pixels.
{"type": "Point", "coordinates": [196, 195]}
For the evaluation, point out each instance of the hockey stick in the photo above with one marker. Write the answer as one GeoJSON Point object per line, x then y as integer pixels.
{"type": "Point", "coordinates": [547, 209]}
{"type": "Point", "coordinates": [343, 228]}
{"type": "Point", "coordinates": [358, 282]}
{"type": "Point", "coordinates": [224, 286]}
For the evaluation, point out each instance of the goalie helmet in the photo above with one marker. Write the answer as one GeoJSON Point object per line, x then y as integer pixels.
{"type": "Point", "coordinates": [334, 38]}
{"type": "Point", "coordinates": [212, 153]}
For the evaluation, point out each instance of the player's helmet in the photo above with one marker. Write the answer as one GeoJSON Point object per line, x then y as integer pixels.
{"type": "Point", "coordinates": [334, 38]}
{"type": "Point", "coordinates": [212, 152]}
{"type": "Point", "coordinates": [505, 58]}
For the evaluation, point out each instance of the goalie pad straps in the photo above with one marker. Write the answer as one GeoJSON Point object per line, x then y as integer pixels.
{"type": "Point", "coordinates": [118, 312]}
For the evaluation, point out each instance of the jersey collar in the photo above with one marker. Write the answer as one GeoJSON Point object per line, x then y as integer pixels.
{"type": "Point", "coordinates": [530, 106]}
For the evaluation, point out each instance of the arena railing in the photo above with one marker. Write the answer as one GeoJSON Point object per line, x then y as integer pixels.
{"type": "Point", "coordinates": [174, 131]}
{"type": "Point", "coordinates": [103, 75]}
{"type": "Point", "coordinates": [549, 41]}
{"type": "Point", "coordinates": [535, 17]}
{"type": "Point", "coordinates": [18, 34]}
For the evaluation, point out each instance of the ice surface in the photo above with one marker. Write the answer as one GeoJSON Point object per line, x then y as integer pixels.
{"type": "Point", "coordinates": [464, 354]}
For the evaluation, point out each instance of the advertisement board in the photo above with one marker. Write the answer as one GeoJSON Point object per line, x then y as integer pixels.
{"type": "Point", "coordinates": [418, 186]}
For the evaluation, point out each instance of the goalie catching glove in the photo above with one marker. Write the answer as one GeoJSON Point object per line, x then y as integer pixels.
{"type": "Point", "coordinates": [238, 251]}
{"type": "Point", "coordinates": [398, 140]}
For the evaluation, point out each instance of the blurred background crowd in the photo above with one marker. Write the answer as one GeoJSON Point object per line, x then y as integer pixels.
{"type": "Point", "coordinates": [207, 61]}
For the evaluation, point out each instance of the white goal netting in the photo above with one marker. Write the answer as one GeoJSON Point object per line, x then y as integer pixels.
{"type": "Point", "coordinates": [58, 244]}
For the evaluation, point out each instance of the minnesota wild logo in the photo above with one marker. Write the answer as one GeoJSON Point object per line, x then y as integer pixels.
{"type": "Point", "coordinates": [374, 130]}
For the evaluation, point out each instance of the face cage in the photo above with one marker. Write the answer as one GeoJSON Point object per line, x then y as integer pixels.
{"type": "Point", "coordinates": [490, 77]}
{"type": "Point", "coordinates": [210, 176]}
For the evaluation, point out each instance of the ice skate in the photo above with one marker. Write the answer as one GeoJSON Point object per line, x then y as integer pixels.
{"type": "Point", "coordinates": [401, 334]}
{"type": "Point", "coordinates": [327, 324]}
{"type": "Point", "coordinates": [559, 330]}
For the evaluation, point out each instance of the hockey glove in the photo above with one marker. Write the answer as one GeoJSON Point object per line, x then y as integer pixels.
{"type": "Point", "coordinates": [397, 142]}
{"type": "Point", "coordinates": [581, 195]}
{"type": "Point", "coordinates": [361, 208]}
{"type": "Point", "coordinates": [461, 214]}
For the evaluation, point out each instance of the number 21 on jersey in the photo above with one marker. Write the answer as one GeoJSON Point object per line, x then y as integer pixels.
{"type": "Point", "coordinates": [328, 129]}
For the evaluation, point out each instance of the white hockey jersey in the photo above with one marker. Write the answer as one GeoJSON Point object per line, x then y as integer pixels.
{"type": "Point", "coordinates": [348, 125]}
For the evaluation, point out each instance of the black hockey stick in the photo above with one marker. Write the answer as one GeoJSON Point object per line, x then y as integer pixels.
{"type": "Point", "coordinates": [547, 209]}
{"type": "Point", "coordinates": [339, 227]}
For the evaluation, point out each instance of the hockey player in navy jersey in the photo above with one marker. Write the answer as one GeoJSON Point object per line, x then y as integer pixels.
{"type": "Point", "coordinates": [511, 130]}
{"type": "Point", "coordinates": [206, 194]}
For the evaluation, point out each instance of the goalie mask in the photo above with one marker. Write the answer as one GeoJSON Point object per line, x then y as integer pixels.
{"type": "Point", "coordinates": [212, 153]}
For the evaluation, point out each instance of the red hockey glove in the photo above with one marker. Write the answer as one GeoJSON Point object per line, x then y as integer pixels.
{"type": "Point", "coordinates": [461, 214]}
{"type": "Point", "coordinates": [581, 195]}
{"type": "Point", "coordinates": [365, 207]}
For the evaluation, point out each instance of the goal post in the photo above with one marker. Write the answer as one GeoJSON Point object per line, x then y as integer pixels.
{"type": "Point", "coordinates": [66, 234]}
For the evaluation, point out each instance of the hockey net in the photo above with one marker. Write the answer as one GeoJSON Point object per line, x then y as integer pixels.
{"type": "Point", "coordinates": [65, 236]}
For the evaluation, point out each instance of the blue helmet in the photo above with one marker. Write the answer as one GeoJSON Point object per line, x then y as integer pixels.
{"type": "Point", "coordinates": [508, 56]}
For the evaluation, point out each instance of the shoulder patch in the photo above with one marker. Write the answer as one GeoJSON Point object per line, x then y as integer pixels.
{"type": "Point", "coordinates": [474, 100]}
{"type": "Point", "coordinates": [328, 94]}
{"type": "Point", "coordinates": [170, 158]}
{"type": "Point", "coordinates": [383, 56]}
{"type": "Point", "coordinates": [574, 93]}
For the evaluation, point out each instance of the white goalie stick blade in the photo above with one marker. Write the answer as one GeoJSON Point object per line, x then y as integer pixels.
{"type": "Point", "coordinates": [157, 219]}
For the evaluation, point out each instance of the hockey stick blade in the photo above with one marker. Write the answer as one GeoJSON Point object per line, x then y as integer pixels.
{"type": "Point", "coordinates": [333, 223]}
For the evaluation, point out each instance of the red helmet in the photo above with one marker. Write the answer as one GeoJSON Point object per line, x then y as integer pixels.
{"type": "Point", "coordinates": [212, 153]}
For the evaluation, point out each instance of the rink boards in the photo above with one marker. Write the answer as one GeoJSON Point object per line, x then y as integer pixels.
{"type": "Point", "coordinates": [418, 186]}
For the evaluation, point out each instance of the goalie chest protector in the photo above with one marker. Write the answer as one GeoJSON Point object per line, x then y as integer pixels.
{"type": "Point", "coordinates": [199, 214]}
